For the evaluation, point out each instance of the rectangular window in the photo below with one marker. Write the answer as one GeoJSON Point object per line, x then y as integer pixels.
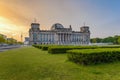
{"type": "Point", "coordinates": [52, 37]}
{"type": "Point", "coordinates": [34, 36]}
{"type": "Point", "coordinates": [46, 37]}
{"type": "Point", "coordinates": [40, 37]}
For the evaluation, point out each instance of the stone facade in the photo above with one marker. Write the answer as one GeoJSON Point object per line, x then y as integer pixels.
{"type": "Point", "coordinates": [58, 35]}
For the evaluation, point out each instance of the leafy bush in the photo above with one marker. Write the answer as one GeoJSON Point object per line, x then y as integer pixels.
{"type": "Point", "coordinates": [94, 56]}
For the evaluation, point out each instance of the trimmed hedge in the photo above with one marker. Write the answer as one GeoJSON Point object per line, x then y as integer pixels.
{"type": "Point", "coordinates": [45, 47]}
{"type": "Point", "coordinates": [94, 56]}
{"type": "Point", "coordinates": [64, 49]}
{"type": "Point", "coordinates": [56, 49]}
{"type": "Point", "coordinates": [38, 46]}
{"type": "Point", "coordinates": [42, 47]}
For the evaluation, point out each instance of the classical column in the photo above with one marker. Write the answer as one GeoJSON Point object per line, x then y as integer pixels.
{"type": "Point", "coordinates": [43, 37]}
{"type": "Point", "coordinates": [77, 38]}
{"type": "Point", "coordinates": [82, 40]}
{"type": "Point", "coordinates": [74, 38]}
{"type": "Point", "coordinates": [60, 38]}
{"type": "Point", "coordinates": [55, 38]}
{"type": "Point", "coordinates": [40, 37]}
{"type": "Point", "coordinates": [69, 38]}
{"type": "Point", "coordinates": [52, 38]}
{"type": "Point", "coordinates": [63, 38]}
{"type": "Point", "coordinates": [66, 38]}
{"type": "Point", "coordinates": [49, 38]}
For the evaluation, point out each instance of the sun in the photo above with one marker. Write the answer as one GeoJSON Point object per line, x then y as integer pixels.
{"type": "Point", "coordinates": [4, 25]}
{"type": "Point", "coordinates": [8, 28]}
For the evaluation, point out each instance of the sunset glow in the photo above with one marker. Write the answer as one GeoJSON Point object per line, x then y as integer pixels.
{"type": "Point", "coordinates": [10, 29]}
{"type": "Point", "coordinates": [11, 23]}
{"type": "Point", "coordinates": [101, 15]}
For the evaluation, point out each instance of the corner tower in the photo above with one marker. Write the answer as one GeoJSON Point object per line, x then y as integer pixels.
{"type": "Point", "coordinates": [85, 34]}
{"type": "Point", "coordinates": [33, 33]}
{"type": "Point", "coordinates": [85, 29]}
{"type": "Point", "coordinates": [35, 26]}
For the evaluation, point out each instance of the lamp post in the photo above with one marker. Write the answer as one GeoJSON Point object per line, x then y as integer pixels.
{"type": "Point", "coordinates": [13, 38]}
{"type": "Point", "coordinates": [23, 34]}
{"type": "Point", "coordinates": [21, 37]}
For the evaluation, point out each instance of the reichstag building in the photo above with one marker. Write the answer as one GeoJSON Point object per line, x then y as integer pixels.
{"type": "Point", "coordinates": [58, 34]}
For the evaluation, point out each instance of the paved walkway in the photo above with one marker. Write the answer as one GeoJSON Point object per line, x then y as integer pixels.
{"type": "Point", "coordinates": [9, 47]}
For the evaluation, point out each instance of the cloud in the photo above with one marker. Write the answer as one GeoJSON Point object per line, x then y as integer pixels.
{"type": "Point", "coordinates": [100, 16]}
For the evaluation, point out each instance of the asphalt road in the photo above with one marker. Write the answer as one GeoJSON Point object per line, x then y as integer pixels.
{"type": "Point", "coordinates": [5, 48]}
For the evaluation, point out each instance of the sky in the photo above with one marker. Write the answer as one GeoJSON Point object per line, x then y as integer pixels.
{"type": "Point", "coordinates": [102, 16]}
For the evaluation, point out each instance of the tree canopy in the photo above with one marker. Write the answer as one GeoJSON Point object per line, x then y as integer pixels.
{"type": "Point", "coordinates": [114, 40]}
{"type": "Point", "coordinates": [2, 40]}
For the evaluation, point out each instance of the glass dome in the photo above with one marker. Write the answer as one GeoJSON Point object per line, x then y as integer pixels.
{"type": "Point", "coordinates": [56, 26]}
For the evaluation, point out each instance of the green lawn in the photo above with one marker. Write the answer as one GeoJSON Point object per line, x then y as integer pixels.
{"type": "Point", "coordinates": [30, 63]}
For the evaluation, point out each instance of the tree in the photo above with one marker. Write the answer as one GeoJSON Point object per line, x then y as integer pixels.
{"type": "Point", "coordinates": [118, 40]}
{"type": "Point", "coordinates": [108, 40]}
{"type": "Point", "coordinates": [115, 40]}
{"type": "Point", "coordinates": [2, 40]}
{"type": "Point", "coordinates": [11, 41]}
{"type": "Point", "coordinates": [19, 42]}
{"type": "Point", "coordinates": [93, 40]}
{"type": "Point", "coordinates": [96, 40]}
